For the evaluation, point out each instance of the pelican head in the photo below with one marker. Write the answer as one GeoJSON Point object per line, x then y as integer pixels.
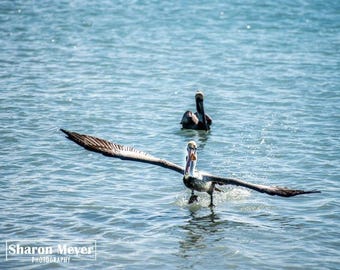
{"type": "Point", "coordinates": [191, 159]}
{"type": "Point", "coordinates": [199, 97]}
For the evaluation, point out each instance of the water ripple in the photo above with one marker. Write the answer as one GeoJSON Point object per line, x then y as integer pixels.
{"type": "Point", "coordinates": [126, 72]}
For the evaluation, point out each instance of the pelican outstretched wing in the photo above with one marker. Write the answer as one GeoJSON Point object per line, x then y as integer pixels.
{"type": "Point", "coordinates": [129, 153]}
{"type": "Point", "coordinates": [118, 151]}
{"type": "Point", "coordinates": [271, 190]}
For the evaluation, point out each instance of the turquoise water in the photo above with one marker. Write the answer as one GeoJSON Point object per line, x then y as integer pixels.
{"type": "Point", "coordinates": [126, 71]}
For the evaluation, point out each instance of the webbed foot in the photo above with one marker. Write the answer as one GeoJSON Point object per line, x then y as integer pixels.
{"type": "Point", "coordinates": [193, 198]}
{"type": "Point", "coordinates": [211, 205]}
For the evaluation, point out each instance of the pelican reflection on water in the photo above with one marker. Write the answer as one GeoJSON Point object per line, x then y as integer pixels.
{"type": "Point", "coordinates": [192, 178]}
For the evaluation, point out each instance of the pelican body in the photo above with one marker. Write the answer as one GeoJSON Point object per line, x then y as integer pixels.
{"type": "Point", "coordinates": [192, 179]}
{"type": "Point", "coordinates": [198, 120]}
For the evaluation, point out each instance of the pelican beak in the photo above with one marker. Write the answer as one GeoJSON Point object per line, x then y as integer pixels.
{"type": "Point", "coordinates": [191, 158]}
{"type": "Point", "coordinates": [199, 104]}
{"type": "Point", "coordinates": [200, 109]}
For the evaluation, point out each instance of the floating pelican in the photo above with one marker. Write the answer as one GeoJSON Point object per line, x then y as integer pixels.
{"type": "Point", "coordinates": [198, 120]}
{"type": "Point", "coordinates": [193, 179]}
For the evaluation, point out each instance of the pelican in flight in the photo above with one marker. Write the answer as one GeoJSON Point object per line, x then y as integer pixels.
{"type": "Point", "coordinates": [198, 120]}
{"type": "Point", "coordinates": [192, 179]}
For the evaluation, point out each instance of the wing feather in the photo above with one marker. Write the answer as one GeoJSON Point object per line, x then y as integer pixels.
{"type": "Point", "coordinates": [129, 153]}
{"type": "Point", "coordinates": [118, 151]}
{"type": "Point", "coordinates": [271, 190]}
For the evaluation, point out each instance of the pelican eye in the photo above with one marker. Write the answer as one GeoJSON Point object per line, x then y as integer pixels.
{"type": "Point", "coordinates": [192, 147]}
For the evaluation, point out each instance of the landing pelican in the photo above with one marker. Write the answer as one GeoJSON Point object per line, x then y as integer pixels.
{"type": "Point", "coordinates": [192, 179]}
{"type": "Point", "coordinates": [198, 120]}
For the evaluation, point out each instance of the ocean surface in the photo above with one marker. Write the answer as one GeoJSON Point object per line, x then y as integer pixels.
{"type": "Point", "coordinates": [126, 71]}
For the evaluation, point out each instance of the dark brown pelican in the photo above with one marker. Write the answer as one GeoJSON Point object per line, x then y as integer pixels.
{"type": "Point", "coordinates": [198, 120]}
{"type": "Point", "coordinates": [193, 179]}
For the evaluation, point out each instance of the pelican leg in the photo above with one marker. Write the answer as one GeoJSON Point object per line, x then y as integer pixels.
{"type": "Point", "coordinates": [211, 201]}
{"type": "Point", "coordinates": [193, 197]}
{"type": "Point", "coordinates": [210, 192]}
